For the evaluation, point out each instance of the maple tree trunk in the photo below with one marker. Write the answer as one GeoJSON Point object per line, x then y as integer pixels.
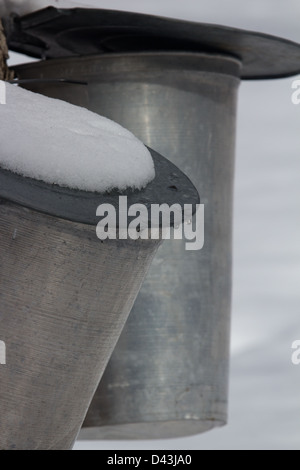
{"type": "Point", "coordinates": [5, 73]}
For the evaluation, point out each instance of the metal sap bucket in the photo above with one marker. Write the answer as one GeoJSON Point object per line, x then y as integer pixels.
{"type": "Point", "coordinates": [168, 375]}
{"type": "Point", "coordinates": [174, 84]}
{"type": "Point", "coordinates": [64, 299]}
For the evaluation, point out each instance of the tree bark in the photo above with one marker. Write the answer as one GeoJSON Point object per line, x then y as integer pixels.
{"type": "Point", "coordinates": [5, 72]}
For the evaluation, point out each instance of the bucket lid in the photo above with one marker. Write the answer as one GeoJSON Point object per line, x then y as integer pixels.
{"type": "Point", "coordinates": [170, 186]}
{"type": "Point", "coordinates": [52, 33]}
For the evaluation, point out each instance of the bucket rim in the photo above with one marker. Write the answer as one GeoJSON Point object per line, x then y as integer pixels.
{"type": "Point", "coordinates": [53, 32]}
{"type": "Point", "coordinates": [170, 186]}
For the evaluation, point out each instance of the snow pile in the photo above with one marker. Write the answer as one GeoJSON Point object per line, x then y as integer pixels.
{"type": "Point", "coordinates": [60, 143]}
{"type": "Point", "coordinates": [22, 7]}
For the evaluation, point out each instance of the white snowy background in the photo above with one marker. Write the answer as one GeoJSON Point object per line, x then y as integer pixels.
{"type": "Point", "coordinates": [265, 386]}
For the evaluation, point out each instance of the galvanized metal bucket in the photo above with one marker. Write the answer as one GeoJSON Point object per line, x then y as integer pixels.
{"type": "Point", "coordinates": [64, 298]}
{"type": "Point", "coordinates": [174, 84]}
{"type": "Point", "coordinates": [168, 375]}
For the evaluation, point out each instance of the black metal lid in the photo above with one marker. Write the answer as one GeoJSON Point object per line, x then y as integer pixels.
{"type": "Point", "coordinates": [170, 186]}
{"type": "Point", "coordinates": [52, 33]}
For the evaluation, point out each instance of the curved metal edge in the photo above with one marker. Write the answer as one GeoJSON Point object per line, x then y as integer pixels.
{"type": "Point", "coordinates": [170, 186]}
{"type": "Point", "coordinates": [35, 33]}
{"type": "Point", "coordinates": [166, 60]}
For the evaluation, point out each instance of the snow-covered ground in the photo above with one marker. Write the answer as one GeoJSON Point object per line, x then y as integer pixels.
{"type": "Point", "coordinates": [265, 386]}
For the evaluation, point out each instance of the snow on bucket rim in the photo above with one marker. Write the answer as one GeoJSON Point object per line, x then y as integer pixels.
{"type": "Point", "coordinates": [59, 143]}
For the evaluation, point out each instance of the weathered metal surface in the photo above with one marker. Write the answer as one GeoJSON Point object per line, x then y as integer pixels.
{"type": "Point", "coordinates": [64, 298]}
{"type": "Point", "coordinates": [170, 186]}
{"type": "Point", "coordinates": [52, 33]}
{"type": "Point", "coordinates": [168, 375]}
